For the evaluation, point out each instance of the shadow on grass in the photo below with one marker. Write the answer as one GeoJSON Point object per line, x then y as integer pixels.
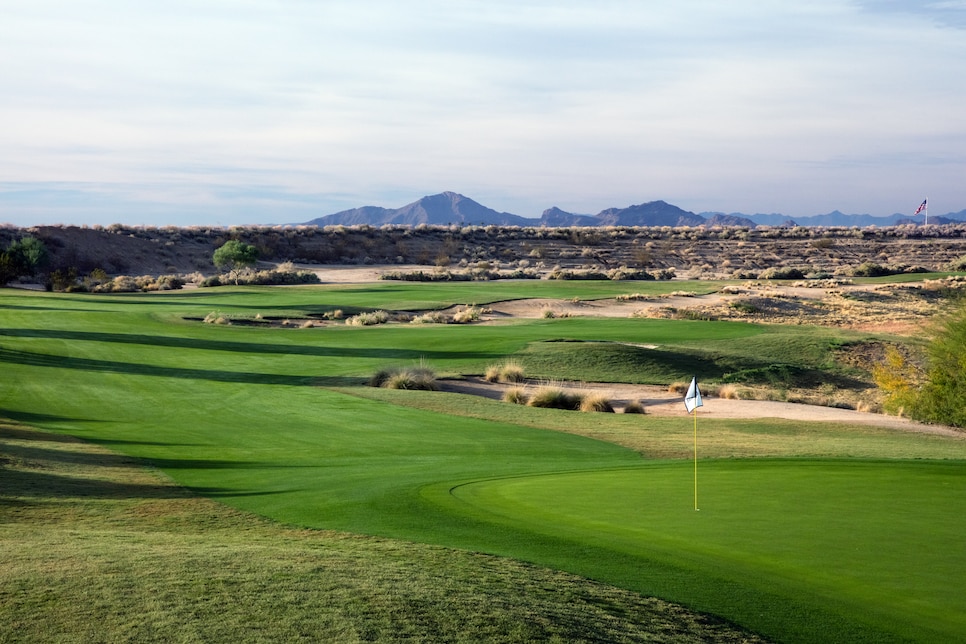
{"type": "Point", "coordinates": [111, 366]}
{"type": "Point", "coordinates": [244, 347]}
{"type": "Point", "coordinates": [31, 453]}
{"type": "Point", "coordinates": [19, 486]}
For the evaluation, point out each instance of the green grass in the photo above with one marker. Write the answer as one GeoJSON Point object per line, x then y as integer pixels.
{"type": "Point", "coordinates": [97, 548]}
{"type": "Point", "coordinates": [278, 422]}
{"type": "Point", "coordinates": [867, 544]}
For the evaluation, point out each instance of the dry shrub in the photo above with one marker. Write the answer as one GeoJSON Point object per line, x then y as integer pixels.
{"type": "Point", "coordinates": [217, 318]}
{"type": "Point", "coordinates": [634, 407]}
{"type": "Point", "coordinates": [678, 387]}
{"type": "Point", "coordinates": [463, 316]}
{"type": "Point", "coordinates": [368, 319]}
{"type": "Point", "coordinates": [411, 378]}
{"type": "Point", "coordinates": [729, 392]}
{"type": "Point", "coordinates": [596, 402]}
{"type": "Point", "coordinates": [516, 395]}
{"type": "Point", "coordinates": [555, 397]}
{"type": "Point", "coordinates": [432, 317]}
{"type": "Point", "coordinates": [508, 371]}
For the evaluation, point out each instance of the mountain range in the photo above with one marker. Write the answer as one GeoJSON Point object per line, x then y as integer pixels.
{"type": "Point", "coordinates": [453, 208]}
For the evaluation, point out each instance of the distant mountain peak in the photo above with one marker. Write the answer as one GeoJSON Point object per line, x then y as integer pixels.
{"type": "Point", "coordinates": [451, 207]}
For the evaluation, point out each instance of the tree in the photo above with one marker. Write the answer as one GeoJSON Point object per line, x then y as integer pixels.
{"type": "Point", "coordinates": [22, 258]}
{"type": "Point", "coordinates": [935, 393]}
{"type": "Point", "coordinates": [942, 398]}
{"type": "Point", "coordinates": [235, 255]}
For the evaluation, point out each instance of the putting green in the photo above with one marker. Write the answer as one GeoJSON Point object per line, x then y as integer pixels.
{"type": "Point", "coordinates": [880, 543]}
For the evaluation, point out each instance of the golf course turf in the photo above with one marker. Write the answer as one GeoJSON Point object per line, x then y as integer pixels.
{"type": "Point", "coordinates": [859, 539]}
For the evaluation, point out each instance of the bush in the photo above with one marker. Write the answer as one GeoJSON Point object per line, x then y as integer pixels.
{"type": "Point", "coordinates": [634, 407]}
{"type": "Point", "coordinates": [411, 378]}
{"type": "Point", "coordinates": [368, 319]}
{"type": "Point", "coordinates": [782, 273]}
{"type": "Point", "coordinates": [463, 316]}
{"type": "Point", "coordinates": [506, 372]}
{"type": "Point", "coordinates": [871, 269]}
{"type": "Point", "coordinates": [942, 398]}
{"type": "Point", "coordinates": [516, 395]}
{"type": "Point", "coordinates": [596, 402]}
{"type": "Point", "coordinates": [555, 397]}
{"type": "Point", "coordinates": [432, 317]}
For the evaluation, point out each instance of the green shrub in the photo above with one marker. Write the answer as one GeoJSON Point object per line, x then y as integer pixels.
{"type": "Point", "coordinates": [871, 269]}
{"type": "Point", "coordinates": [942, 398]}
{"type": "Point", "coordinates": [782, 273]}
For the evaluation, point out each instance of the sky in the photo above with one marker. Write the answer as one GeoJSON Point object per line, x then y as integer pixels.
{"type": "Point", "coordinates": [233, 112]}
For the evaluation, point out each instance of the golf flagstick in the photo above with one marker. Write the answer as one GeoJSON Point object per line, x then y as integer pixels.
{"type": "Point", "coordinates": [692, 400]}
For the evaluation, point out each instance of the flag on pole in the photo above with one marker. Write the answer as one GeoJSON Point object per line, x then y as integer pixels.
{"type": "Point", "coordinates": [692, 400]}
{"type": "Point", "coordinates": [922, 206]}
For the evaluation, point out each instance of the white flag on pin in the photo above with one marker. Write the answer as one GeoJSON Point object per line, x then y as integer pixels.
{"type": "Point", "coordinates": [692, 400]}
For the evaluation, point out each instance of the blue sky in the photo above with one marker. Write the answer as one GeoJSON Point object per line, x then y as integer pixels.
{"type": "Point", "coordinates": [277, 111]}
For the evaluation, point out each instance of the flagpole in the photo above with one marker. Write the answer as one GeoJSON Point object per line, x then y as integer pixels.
{"type": "Point", "coordinates": [695, 414]}
{"type": "Point", "coordinates": [692, 400]}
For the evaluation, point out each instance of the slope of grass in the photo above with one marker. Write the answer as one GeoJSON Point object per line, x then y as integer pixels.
{"type": "Point", "coordinates": [95, 548]}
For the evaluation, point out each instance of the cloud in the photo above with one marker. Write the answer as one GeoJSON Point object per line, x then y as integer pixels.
{"type": "Point", "coordinates": [601, 103]}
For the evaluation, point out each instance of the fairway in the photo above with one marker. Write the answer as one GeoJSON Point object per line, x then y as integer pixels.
{"type": "Point", "coordinates": [877, 542]}
{"type": "Point", "coordinates": [863, 544]}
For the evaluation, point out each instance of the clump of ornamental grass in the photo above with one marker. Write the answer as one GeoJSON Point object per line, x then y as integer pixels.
{"type": "Point", "coordinates": [678, 388]}
{"type": "Point", "coordinates": [596, 402]}
{"type": "Point", "coordinates": [634, 407]}
{"type": "Point", "coordinates": [412, 378]}
{"type": "Point", "coordinates": [516, 396]}
{"type": "Point", "coordinates": [555, 397]}
{"type": "Point", "coordinates": [217, 318]}
{"type": "Point", "coordinates": [505, 372]}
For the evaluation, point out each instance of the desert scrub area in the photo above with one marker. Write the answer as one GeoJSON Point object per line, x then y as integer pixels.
{"type": "Point", "coordinates": [455, 253]}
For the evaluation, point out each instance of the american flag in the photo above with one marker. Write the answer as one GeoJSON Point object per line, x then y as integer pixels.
{"type": "Point", "coordinates": [921, 207]}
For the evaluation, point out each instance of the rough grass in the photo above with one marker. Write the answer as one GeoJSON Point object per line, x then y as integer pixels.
{"type": "Point", "coordinates": [94, 547]}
